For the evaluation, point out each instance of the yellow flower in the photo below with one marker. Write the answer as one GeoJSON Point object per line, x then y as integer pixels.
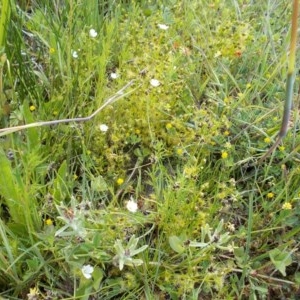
{"type": "Point", "coordinates": [226, 133]}
{"type": "Point", "coordinates": [169, 126]}
{"type": "Point", "coordinates": [281, 148]}
{"type": "Point", "coordinates": [287, 206]}
{"type": "Point", "coordinates": [228, 145]}
{"type": "Point", "coordinates": [51, 50]}
{"type": "Point", "coordinates": [267, 140]}
{"type": "Point", "coordinates": [179, 151]}
{"type": "Point", "coordinates": [120, 181]}
{"type": "Point", "coordinates": [248, 85]}
{"type": "Point", "coordinates": [227, 100]}
{"type": "Point", "coordinates": [217, 54]}
{"type": "Point", "coordinates": [32, 108]}
{"type": "Point", "coordinates": [224, 154]}
{"type": "Point", "coordinates": [33, 293]}
{"type": "Point", "coordinates": [48, 222]}
{"type": "Point", "coordinates": [270, 195]}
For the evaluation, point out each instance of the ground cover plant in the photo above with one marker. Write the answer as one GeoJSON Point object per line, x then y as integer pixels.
{"type": "Point", "coordinates": [159, 195]}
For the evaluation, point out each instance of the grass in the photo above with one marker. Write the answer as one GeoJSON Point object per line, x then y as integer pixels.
{"type": "Point", "coordinates": [158, 195]}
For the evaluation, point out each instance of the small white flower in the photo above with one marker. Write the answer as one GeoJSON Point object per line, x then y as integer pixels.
{"type": "Point", "coordinates": [87, 271]}
{"type": "Point", "coordinates": [154, 82]}
{"type": "Point", "coordinates": [103, 127]}
{"type": "Point", "coordinates": [163, 26]}
{"type": "Point", "coordinates": [93, 33]}
{"type": "Point", "coordinates": [114, 75]}
{"type": "Point", "coordinates": [132, 205]}
{"type": "Point", "coordinates": [74, 54]}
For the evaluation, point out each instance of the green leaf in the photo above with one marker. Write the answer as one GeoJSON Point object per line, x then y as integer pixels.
{"type": "Point", "coordinates": [297, 277]}
{"type": "Point", "coordinates": [97, 276]}
{"type": "Point", "coordinates": [98, 184]}
{"type": "Point", "coordinates": [33, 264]}
{"type": "Point", "coordinates": [176, 244]}
{"type": "Point", "coordinates": [60, 189]}
{"type": "Point", "coordinates": [139, 250]}
{"type": "Point", "coordinates": [11, 190]}
{"type": "Point", "coordinates": [280, 259]}
{"type": "Point", "coordinates": [197, 244]}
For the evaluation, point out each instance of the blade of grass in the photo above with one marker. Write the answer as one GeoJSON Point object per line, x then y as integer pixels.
{"type": "Point", "coordinates": [5, 16]}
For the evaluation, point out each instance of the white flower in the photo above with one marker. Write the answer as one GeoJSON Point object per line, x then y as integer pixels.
{"type": "Point", "coordinates": [93, 33]}
{"type": "Point", "coordinates": [132, 205]}
{"type": "Point", "coordinates": [74, 54]}
{"type": "Point", "coordinates": [103, 127]}
{"type": "Point", "coordinates": [154, 82]}
{"type": "Point", "coordinates": [163, 26]}
{"type": "Point", "coordinates": [114, 75]}
{"type": "Point", "coordinates": [87, 271]}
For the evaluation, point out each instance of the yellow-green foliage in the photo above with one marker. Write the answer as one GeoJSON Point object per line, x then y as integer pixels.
{"type": "Point", "coordinates": [167, 113]}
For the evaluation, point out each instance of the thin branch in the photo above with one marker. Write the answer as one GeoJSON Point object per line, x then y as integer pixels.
{"type": "Point", "coordinates": [120, 94]}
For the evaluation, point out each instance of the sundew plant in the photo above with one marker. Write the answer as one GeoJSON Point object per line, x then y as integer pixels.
{"type": "Point", "coordinates": [131, 142]}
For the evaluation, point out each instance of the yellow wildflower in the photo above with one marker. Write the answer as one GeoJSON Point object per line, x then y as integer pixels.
{"type": "Point", "coordinates": [48, 222]}
{"type": "Point", "coordinates": [267, 140]}
{"type": "Point", "coordinates": [224, 154]}
{"type": "Point", "coordinates": [51, 50]}
{"type": "Point", "coordinates": [120, 181]}
{"type": "Point", "coordinates": [227, 100]}
{"type": "Point", "coordinates": [179, 151]}
{"type": "Point", "coordinates": [33, 294]}
{"type": "Point", "coordinates": [287, 206]}
{"type": "Point", "coordinates": [32, 108]}
{"type": "Point", "coordinates": [228, 145]}
{"type": "Point", "coordinates": [169, 126]}
{"type": "Point", "coordinates": [270, 195]}
{"type": "Point", "coordinates": [217, 54]}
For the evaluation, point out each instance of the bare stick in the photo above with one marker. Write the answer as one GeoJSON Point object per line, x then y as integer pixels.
{"type": "Point", "coordinates": [120, 94]}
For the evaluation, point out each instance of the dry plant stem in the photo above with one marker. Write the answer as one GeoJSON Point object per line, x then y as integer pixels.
{"type": "Point", "coordinates": [254, 274]}
{"type": "Point", "coordinates": [120, 94]}
{"type": "Point", "coordinates": [289, 83]}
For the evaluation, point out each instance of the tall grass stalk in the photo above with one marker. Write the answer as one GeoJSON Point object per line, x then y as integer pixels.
{"type": "Point", "coordinates": [4, 20]}
{"type": "Point", "coordinates": [289, 83]}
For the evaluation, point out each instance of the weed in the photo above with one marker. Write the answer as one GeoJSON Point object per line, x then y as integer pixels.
{"type": "Point", "coordinates": [155, 196]}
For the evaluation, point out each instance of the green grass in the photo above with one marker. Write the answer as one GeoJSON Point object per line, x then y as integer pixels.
{"type": "Point", "coordinates": [209, 222]}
